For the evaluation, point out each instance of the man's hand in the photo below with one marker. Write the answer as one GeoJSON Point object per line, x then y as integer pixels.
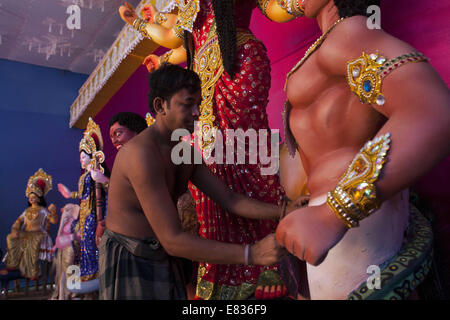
{"type": "Point", "coordinates": [127, 13]}
{"type": "Point", "coordinates": [309, 233]}
{"type": "Point", "coordinates": [267, 251]}
{"type": "Point", "coordinates": [151, 62]}
{"type": "Point", "coordinates": [64, 191]}
{"type": "Point", "coordinates": [99, 232]}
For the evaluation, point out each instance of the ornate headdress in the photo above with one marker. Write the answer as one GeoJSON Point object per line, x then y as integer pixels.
{"type": "Point", "coordinates": [92, 143]}
{"type": "Point", "coordinates": [40, 183]}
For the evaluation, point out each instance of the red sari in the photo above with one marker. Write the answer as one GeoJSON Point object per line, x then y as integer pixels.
{"type": "Point", "coordinates": [237, 103]}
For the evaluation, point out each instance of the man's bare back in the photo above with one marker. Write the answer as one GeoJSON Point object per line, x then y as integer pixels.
{"type": "Point", "coordinates": [125, 214]}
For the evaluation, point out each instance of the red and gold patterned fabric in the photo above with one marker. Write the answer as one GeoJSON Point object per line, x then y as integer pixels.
{"type": "Point", "coordinates": [236, 103]}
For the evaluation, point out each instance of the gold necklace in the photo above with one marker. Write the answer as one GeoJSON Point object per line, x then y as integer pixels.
{"type": "Point", "coordinates": [32, 213]}
{"type": "Point", "coordinates": [312, 49]}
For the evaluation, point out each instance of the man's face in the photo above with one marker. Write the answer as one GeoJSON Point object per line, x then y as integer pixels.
{"type": "Point", "coordinates": [120, 135]}
{"type": "Point", "coordinates": [184, 109]}
{"type": "Point", "coordinates": [313, 7]}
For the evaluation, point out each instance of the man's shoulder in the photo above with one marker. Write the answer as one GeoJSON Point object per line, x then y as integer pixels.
{"type": "Point", "coordinates": [138, 151]}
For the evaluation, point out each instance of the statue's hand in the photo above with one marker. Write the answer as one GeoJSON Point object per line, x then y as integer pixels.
{"type": "Point", "coordinates": [52, 209]}
{"type": "Point", "coordinates": [127, 13]}
{"type": "Point", "coordinates": [64, 191]}
{"type": "Point", "coordinates": [301, 202]}
{"type": "Point", "coordinates": [310, 232]}
{"type": "Point", "coordinates": [151, 62]}
{"type": "Point", "coordinates": [98, 176]}
{"type": "Point", "coordinates": [149, 12]}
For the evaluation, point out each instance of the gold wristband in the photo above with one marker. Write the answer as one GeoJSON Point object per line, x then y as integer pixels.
{"type": "Point", "coordinates": [140, 25]}
{"type": "Point", "coordinates": [355, 198]}
{"type": "Point", "coordinates": [74, 195]}
{"type": "Point", "coordinates": [165, 57]}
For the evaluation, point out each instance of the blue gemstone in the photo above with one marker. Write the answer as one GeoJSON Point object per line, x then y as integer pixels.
{"type": "Point", "coordinates": [367, 86]}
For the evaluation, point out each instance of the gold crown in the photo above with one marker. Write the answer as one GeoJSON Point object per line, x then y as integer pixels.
{"type": "Point", "coordinates": [92, 143]}
{"type": "Point", "coordinates": [40, 183]}
{"type": "Point", "coordinates": [150, 120]}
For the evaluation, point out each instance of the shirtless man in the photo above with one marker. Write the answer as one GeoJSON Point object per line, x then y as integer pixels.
{"type": "Point", "coordinates": [143, 229]}
{"type": "Point", "coordinates": [331, 124]}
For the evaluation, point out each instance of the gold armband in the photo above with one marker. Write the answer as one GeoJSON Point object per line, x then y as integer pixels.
{"type": "Point", "coordinates": [140, 25]}
{"type": "Point", "coordinates": [355, 198]}
{"type": "Point", "coordinates": [365, 74]}
{"type": "Point", "coordinates": [160, 18]}
{"type": "Point", "coordinates": [74, 195]}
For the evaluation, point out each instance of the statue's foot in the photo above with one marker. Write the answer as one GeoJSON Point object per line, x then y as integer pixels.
{"type": "Point", "coordinates": [270, 292]}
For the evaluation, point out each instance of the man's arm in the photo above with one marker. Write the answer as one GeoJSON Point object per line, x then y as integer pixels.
{"type": "Point", "coordinates": [231, 201]}
{"type": "Point", "coordinates": [146, 172]}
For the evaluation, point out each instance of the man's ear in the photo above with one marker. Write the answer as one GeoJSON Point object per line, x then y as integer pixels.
{"type": "Point", "coordinates": [158, 105]}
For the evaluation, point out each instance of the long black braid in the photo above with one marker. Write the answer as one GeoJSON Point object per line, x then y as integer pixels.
{"type": "Point", "coordinates": [226, 31]}
{"type": "Point", "coordinates": [349, 8]}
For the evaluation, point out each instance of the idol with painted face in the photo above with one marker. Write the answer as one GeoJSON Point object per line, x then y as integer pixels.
{"type": "Point", "coordinates": [91, 160]}
{"type": "Point", "coordinates": [124, 126]}
{"type": "Point", "coordinates": [29, 240]}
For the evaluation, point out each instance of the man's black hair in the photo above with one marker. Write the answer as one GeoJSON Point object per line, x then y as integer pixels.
{"type": "Point", "coordinates": [350, 8]}
{"type": "Point", "coordinates": [168, 79]}
{"type": "Point", "coordinates": [130, 120]}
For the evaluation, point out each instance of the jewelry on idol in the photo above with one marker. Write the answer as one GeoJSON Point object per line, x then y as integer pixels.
{"type": "Point", "coordinates": [354, 197]}
{"type": "Point", "coordinates": [365, 74]}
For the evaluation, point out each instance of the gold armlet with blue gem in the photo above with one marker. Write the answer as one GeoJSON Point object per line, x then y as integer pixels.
{"type": "Point", "coordinates": [366, 73]}
{"type": "Point", "coordinates": [355, 198]}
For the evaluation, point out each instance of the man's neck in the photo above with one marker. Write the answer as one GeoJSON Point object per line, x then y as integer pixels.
{"type": "Point", "coordinates": [163, 134]}
{"type": "Point", "coordinates": [327, 16]}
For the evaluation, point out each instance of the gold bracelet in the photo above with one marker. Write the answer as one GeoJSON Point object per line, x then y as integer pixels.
{"type": "Point", "coordinates": [292, 7]}
{"type": "Point", "coordinates": [165, 57]}
{"type": "Point", "coordinates": [262, 4]}
{"type": "Point", "coordinates": [74, 195]}
{"type": "Point", "coordinates": [140, 25]}
{"type": "Point", "coordinates": [355, 198]}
